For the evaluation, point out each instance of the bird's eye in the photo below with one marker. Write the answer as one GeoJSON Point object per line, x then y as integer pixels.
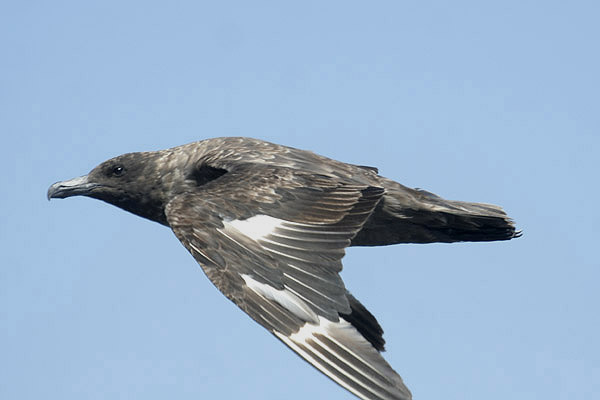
{"type": "Point", "coordinates": [118, 170]}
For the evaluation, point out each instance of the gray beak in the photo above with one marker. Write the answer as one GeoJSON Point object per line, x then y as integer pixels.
{"type": "Point", "coordinates": [73, 187]}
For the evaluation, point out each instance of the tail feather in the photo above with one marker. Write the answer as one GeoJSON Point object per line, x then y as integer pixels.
{"type": "Point", "coordinates": [416, 216]}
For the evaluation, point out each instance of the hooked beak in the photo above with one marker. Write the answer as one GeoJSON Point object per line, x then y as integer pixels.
{"type": "Point", "coordinates": [73, 187]}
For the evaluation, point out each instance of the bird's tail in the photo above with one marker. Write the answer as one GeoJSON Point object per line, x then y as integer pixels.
{"type": "Point", "coordinates": [416, 216]}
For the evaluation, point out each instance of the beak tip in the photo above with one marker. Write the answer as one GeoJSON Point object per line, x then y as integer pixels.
{"type": "Point", "coordinates": [51, 191]}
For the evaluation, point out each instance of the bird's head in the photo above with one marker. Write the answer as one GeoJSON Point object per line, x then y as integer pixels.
{"type": "Point", "coordinates": [131, 181]}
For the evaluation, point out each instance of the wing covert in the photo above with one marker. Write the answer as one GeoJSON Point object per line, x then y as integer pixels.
{"type": "Point", "coordinates": [272, 241]}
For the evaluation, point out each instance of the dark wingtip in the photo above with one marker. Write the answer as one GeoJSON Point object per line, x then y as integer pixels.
{"type": "Point", "coordinates": [365, 323]}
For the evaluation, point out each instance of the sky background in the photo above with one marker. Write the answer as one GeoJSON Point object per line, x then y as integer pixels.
{"type": "Point", "coordinates": [481, 102]}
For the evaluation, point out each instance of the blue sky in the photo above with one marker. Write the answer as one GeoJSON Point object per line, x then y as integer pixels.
{"type": "Point", "coordinates": [481, 102]}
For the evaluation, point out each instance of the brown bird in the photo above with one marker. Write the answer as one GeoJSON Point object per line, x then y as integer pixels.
{"type": "Point", "coordinates": [269, 225]}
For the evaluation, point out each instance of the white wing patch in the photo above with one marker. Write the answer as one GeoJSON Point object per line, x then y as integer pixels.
{"type": "Point", "coordinates": [336, 348]}
{"type": "Point", "coordinates": [256, 227]}
{"type": "Point", "coordinates": [339, 351]}
{"type": "Point", "coordinates": [284, 298]}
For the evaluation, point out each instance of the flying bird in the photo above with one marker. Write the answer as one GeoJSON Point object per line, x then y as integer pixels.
{"type": "Point", "coordinates": [269, 225]}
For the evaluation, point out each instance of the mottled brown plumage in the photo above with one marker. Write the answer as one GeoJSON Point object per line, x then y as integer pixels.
{"type": "Point", "coordinates": [269, 225]}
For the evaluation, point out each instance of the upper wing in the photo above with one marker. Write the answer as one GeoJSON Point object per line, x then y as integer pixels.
{"type": "Point", "coordinates": [272, 240]}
